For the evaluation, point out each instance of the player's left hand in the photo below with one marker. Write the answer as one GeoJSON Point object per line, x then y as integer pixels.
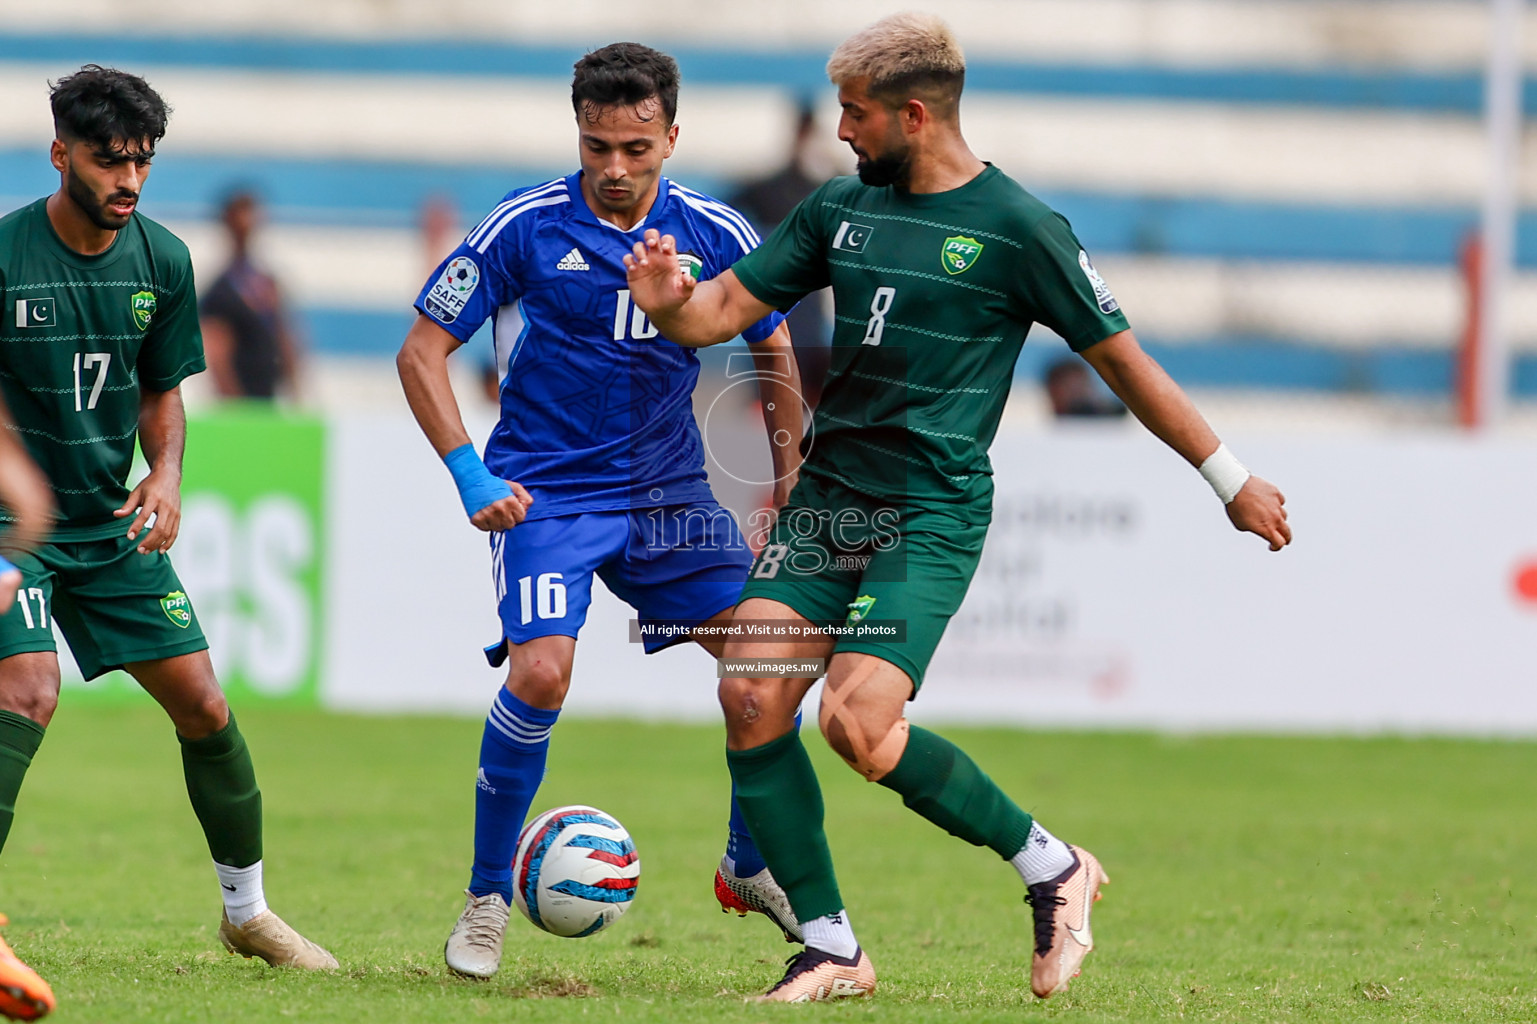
{"type": "Point", "coordinates": [158, 495]}
{"type": "Point", "coordinates": [1260, 508]}
{"type": "Point", "coordinates": [657, 285]}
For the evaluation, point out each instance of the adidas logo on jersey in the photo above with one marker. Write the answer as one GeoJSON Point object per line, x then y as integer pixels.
{"type": "Point", "coordinates": [573, 260]}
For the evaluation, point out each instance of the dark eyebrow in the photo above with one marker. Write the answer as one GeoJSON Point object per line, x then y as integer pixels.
{"type": "Point", "coordinates": [625, 143]}
{"type": "Point", "coordinates": [118, 156]}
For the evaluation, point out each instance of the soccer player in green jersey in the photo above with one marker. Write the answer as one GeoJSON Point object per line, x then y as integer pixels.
{"type": "Point", "coordinates": [99, 329]}
{"type": "Point", "coordinates": [939, 264]}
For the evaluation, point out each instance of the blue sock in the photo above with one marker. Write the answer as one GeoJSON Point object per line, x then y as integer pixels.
{"type": "Point", "coordinates": [741, 851]}
{"type": "Point", "coordinates": [512, 756]}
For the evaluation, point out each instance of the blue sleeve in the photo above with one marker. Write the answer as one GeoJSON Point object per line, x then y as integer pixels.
{"type": "Point", "coordinates": [763, 328]}
{"type": "Point", "coordinates": [470, 285]}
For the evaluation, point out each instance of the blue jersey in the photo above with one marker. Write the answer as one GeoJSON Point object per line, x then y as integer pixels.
{"type": "Point", "coordinates": [596, 407]}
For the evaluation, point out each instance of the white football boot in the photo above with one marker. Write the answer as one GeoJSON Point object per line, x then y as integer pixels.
{"type": "Point", "coordinates": [474, 947]}
{"type": "Point", "coordinates": [759, 894]}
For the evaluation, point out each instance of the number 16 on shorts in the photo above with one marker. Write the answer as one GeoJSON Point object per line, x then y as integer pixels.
{"type": "Point", "coordinates": [544, 595]}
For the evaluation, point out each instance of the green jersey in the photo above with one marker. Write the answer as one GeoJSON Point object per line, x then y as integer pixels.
{"type": "Point", "coordinates": [79, 336]}
{"type": "Point", "coordinates": [934, 294]}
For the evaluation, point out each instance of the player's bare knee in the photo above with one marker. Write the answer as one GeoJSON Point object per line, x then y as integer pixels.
{"type": "Point", "coordinates": [201, 715]}
{"type": "Point", "coordinates": [747, 702]}
{"type": "Point", "coordinates": [541, 683]}
{"type": "Point", "coordinates": [29, 686]}
{"type": "Point", "coordinates": [35, 699]}
{"type": "Point", "coordinates": [861, 732]}
{"type": "Point", "coordinates": [737, 697]}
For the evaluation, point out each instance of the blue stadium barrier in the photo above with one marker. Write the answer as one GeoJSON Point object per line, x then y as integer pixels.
{"type": "Point", "coordinates": [390, 195]}
{"type": "Point", "coordinates": [1261, 364]}
{"type": "Point", "coordinates": [800, 71]}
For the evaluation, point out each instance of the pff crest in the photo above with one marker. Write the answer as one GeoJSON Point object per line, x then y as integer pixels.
{"type": "Point", "coordinates": [960, 254]}
{"type": "Point", "coordinates": [177, 608]}
{"type": "Point", "coordinates": [143, 305]}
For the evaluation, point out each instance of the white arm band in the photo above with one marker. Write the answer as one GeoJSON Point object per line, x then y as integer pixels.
{"type": "Point", "coordinates": [1225, 473]}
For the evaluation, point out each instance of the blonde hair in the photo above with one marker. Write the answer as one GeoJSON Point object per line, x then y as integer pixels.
{"type": "Point", "coordinates": [903, 55]}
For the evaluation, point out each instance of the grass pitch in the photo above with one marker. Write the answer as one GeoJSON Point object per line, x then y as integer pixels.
{"type": "Point", "coordinates": [1253, 879]}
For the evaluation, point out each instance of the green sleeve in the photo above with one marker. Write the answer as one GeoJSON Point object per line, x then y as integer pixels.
{"type": "Point", "coordinates": [173, 350]}
{"type": "Point", "coordinates": [1061, 289]}
{"type": "Point", "coordinates": [792, 261]}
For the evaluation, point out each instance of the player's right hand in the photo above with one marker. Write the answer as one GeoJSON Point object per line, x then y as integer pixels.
{"type": "Point", "coordinates": [1260, 508]}
{"type": "Point", "coordinates": [504, 513]}
{"type": "Point", "coordinates": [657, 284]}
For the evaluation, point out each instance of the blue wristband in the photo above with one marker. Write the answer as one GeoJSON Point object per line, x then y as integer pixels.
{"type": "Point", "coordinates": [477, 487]}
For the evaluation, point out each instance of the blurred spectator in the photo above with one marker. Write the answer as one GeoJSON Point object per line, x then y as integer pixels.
{"type": "Point", "coordinates": [251, 351]}
{"type": "Point", "coordinates": [1072, 391]}
{"type": "Point", "coordinates": [768, 201]}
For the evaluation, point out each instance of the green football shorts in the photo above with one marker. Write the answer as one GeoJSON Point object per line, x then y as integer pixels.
{"type": "Point", "coordinates": [113, 605]}
{"type": "Point", "coordinates": [887, 578]}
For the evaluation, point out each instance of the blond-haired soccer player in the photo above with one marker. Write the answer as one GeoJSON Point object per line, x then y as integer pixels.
{"type": "Point", "coordinates": [939, 265]}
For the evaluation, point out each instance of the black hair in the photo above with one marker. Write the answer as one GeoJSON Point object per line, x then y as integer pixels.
{"type": "Point", "coordinates": [108, 109]}
{"type": "Point", "coordinates": [625, 74]}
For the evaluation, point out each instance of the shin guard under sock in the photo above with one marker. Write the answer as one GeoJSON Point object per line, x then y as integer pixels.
{"type": "Point", "coordinates": [221, 782]}
{"type": "Point", "coordinates": [513, 751]}
{"type": "Point", "coordinates": [937, 779]}
{"type": "Point", "coordinates": [781, 801]}
{"type": "Point", "coordinates": [19, 739]}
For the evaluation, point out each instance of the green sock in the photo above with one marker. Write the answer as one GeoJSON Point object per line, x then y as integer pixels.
{"type": "Point", "coordinates": [19, 739]}
{"type": "Point", "coordinates": [777, 790]}
{"type": "Point", "coordinates": [222, 784]}
{"type": "Point", "coordinates": [938, 780]}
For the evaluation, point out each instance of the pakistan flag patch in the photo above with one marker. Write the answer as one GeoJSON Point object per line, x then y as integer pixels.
{"type": "Point", "coordinates": [859, 609]}
{"type": "Point", "coordinates": [959, 254]}
{"type": "Point", "coordinates": [177, 608]}
{"type": "Point", "coordinates": [143, 304]}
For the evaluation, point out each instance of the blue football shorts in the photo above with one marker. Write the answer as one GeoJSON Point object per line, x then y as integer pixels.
{"type": "Point", "coordinates": [678, 564]}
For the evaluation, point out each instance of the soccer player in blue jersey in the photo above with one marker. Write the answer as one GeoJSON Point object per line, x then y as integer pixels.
{"type": "Point", "coordinates": [596, 464]}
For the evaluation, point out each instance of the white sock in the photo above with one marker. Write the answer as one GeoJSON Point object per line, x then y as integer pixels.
{"type": "Point", "coordinates": [1043, 857]}
{"type": "Point", "coordinates": [831, 934]}
{"type": "Point", "coordinates": [242, 892]}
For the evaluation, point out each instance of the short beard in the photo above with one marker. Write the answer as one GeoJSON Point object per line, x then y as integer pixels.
{"type": "Point", "coordinates": [95, 212]}
{"type": "Point", "coordinates": [891, 169]}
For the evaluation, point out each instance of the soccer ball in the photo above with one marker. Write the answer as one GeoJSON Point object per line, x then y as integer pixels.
{"type": "Point", "coordinates": [575, 871]}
